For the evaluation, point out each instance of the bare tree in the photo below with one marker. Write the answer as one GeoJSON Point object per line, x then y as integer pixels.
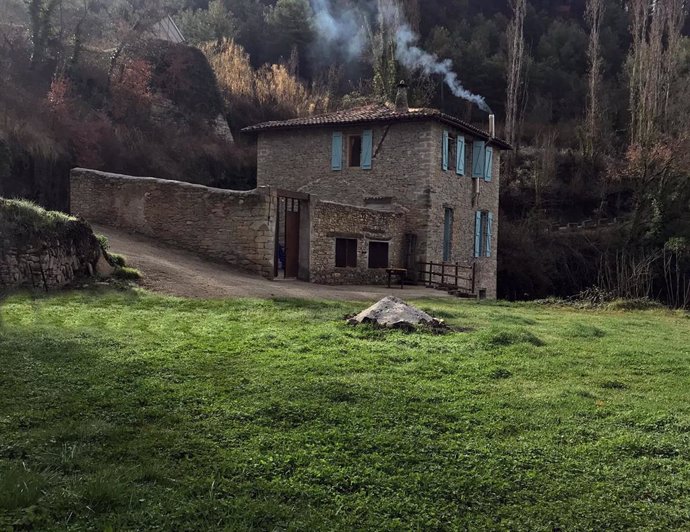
{"type": "Point", "coordinates": [40, 15]}
{"type": "Point", "coordinates": [516, 58]}
{"type": "Point", "coordinates": [656, 27]}
{"type": "Point", "coordinates": [594, 14]}
{"type": "Point", "coordinates": [133, 19]}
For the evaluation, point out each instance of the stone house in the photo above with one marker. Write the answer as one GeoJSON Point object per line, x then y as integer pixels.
{"type": "Point", "coordinates": [436, 175]}
{"type": "Point", "coordinates": [341, 198]}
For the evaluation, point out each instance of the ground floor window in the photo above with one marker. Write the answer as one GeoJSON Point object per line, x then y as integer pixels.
{"type": "Point", "coordinates": [345, 252]}
{"type": "Point", "coordinates": [378, 255]}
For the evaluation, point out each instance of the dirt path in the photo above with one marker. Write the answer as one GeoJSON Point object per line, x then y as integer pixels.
{"type": "Point", "coordinates": [180, 273]}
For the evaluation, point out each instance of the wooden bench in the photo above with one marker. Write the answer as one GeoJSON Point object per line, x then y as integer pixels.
{"type": "Point", "coordinates": [400, 272]}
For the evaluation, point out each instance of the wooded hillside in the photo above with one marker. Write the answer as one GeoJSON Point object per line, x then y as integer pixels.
{"type": "Point", "coordinates": [592, 94]}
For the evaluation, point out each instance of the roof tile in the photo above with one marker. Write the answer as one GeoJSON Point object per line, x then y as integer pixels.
{"type": "Point", "coordinates": [374, 113]}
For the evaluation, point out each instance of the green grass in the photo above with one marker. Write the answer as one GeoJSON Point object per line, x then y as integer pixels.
{"type": "Point", "coordinates": [22, 216]}
{"type": "Point", "coordinates": [128, 411]}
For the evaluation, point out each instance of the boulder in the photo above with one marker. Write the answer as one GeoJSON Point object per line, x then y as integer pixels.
{"type": "Point", "coordinates": [394, 313]}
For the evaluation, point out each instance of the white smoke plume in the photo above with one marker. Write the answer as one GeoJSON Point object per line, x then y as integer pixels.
{"type": "Point", "coordinates": [339, 29]}
{"type": "Point", "coordinates": [343, 29]}
{"type": "Point", "coordinates": [413, 57]}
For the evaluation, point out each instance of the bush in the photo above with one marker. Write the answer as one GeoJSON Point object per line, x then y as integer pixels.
{"type": "Point", "coordinates": [117, 260]}
{"type": "Point", "coordinates": [126, 274]}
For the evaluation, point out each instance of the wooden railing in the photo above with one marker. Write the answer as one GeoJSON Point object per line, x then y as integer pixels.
{"type": "Point", "coordinates": [448, 276]}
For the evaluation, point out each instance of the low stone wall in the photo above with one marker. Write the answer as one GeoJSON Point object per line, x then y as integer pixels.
{"type": "Point", "coordinates": [330, 221]}
{"type": "Point", "coordinates": [50, 264]}
{"type": "Point", "coordinates": [230, 226]}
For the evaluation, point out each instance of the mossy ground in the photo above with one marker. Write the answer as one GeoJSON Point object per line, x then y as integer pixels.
{"type": "Point", "coordinates": [134, 411]}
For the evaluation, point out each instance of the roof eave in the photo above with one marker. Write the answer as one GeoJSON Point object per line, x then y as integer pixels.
{"type": "Point", "coordinates": [446, 119]}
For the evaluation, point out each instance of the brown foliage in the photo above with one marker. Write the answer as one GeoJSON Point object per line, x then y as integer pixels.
{"type": "Point", "coordinates": [256, 95]}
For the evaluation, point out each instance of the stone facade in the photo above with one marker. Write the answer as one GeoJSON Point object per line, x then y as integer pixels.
{"type": "Point", "coordinates": [331, 221]}
{"type": "Point", "coordinates": [230, 226]}
{"type": "Point", "coordinates": [407, 174]}
{"type": "Point", "coordinates": [465, 195]}
{"type": "Point", "coordinates": [300, 160]}
{"type": "Point", "coordinates": [50, 264]}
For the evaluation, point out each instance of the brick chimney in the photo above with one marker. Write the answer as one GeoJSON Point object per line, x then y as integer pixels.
{"type": "Point", "coordinates": [401, 103]}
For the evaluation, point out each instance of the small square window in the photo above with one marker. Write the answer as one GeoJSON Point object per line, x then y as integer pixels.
{"type": "Point", "coordinates": [378, 255]}
{"type": "Point", "coordinates": [345, 252]}
{"type": "Point", "coordinates": [354, 151]}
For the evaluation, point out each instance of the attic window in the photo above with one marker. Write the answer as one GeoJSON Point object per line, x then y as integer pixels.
{"type": "Point", "coordinates": [354, 151]}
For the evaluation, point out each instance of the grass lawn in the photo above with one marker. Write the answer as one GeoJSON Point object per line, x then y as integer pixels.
{"type": "Point", "coordinates": [132, 411]}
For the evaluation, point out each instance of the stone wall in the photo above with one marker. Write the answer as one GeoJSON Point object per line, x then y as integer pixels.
{"type": "Point", "coordinates": [333, 220]}
{"type": "Point", "coordinates": [52, 263]}
{"type": "Point", "coordinates": [230, 226]}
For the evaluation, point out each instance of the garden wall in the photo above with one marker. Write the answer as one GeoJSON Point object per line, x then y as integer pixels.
{"type": "Point", "coordinates": [231, 226]}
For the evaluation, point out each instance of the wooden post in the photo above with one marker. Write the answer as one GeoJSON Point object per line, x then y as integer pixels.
{"type": "Point", "coordinates": [443, 274]}
{"type": "Point", "coordinates": [431, 269]}
{"type": "Point", "coordinates": [457, 272]}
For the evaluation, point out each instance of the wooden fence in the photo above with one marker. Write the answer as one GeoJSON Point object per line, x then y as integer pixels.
{"type": "Point", "coordinates": [451, 276]}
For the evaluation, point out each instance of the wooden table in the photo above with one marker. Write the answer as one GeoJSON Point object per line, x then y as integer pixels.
{"type": "Point", "coordinates": [400, 272]}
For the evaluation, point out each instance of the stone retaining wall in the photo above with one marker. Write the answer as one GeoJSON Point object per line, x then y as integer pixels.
{"type": "Point", "coordinates": [52, 264]}
{"type": "Point", "coordinates": [231, 226]}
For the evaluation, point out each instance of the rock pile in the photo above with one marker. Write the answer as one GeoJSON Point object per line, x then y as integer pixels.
{"type": "Point", "coordinates": [394, 313]}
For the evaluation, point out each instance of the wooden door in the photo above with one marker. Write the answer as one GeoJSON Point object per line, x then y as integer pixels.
{"type": "Point", "coordinates": [291, 243]}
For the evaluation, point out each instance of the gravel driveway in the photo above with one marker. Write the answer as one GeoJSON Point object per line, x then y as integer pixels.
{"type": "Point", "coordinates": [180, 273]}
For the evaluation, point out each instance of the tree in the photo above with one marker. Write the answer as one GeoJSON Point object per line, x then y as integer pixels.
{"type": "Point", "coordinates": [290, 25]}
{"type": "Point", "coordinates": [212, 24]}
{"type": "Point", "coordinates": [132, 19]}
{"type": "Point", "coordinates": [594, 14]}
{"type": "Point", "coordinates": [656, 28]}
{"type": "Point", "coordinates": [40, 15]}
{"type": "Point", "coordinates": [516, 56]}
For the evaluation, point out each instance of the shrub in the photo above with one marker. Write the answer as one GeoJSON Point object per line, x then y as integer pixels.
{"type": "Point", "coordinates": [117, 260]}
{"type": "Point", "coordinates": [126, 274]}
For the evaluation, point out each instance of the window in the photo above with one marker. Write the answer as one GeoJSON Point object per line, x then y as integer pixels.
{"type": "Point", "coordinates": [345, 252]}
{"type": "Point", "coordinates": [378, 255]}
{"type": "Point", "coordinates": [354, 150]}
{"type": "Point", "coordinates": [483, 230]}
{"type": "Point", "coordinates": [450, 151]}
{"type": "Point", "coordinates": [448, 235]}
{"type": "Point", "coordinates": [478, 159]}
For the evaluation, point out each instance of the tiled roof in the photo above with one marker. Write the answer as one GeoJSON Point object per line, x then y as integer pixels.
{"type": "Point", "coordinates": [375, 113]}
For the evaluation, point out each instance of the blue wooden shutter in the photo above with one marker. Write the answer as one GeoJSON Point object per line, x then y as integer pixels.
{"type": "Point", "coordinates": [447, 234]}
{"type": "Point", "coordinates": [460, 165]}
{"type": "Point", "coordinates": [478, 234]}
{"type": "Point", "coordinates": [489, 165]}
{"type": "Point", "coordinates": [445, 150]}
{"type": "Point", "coordinates": [489, 232]}
{"type": "Point", "coordinates": [337, 152]}
{"type": "Point", "coordinates": [367, 149]}
{"type": "Point", "coordinates": [478, 158]}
